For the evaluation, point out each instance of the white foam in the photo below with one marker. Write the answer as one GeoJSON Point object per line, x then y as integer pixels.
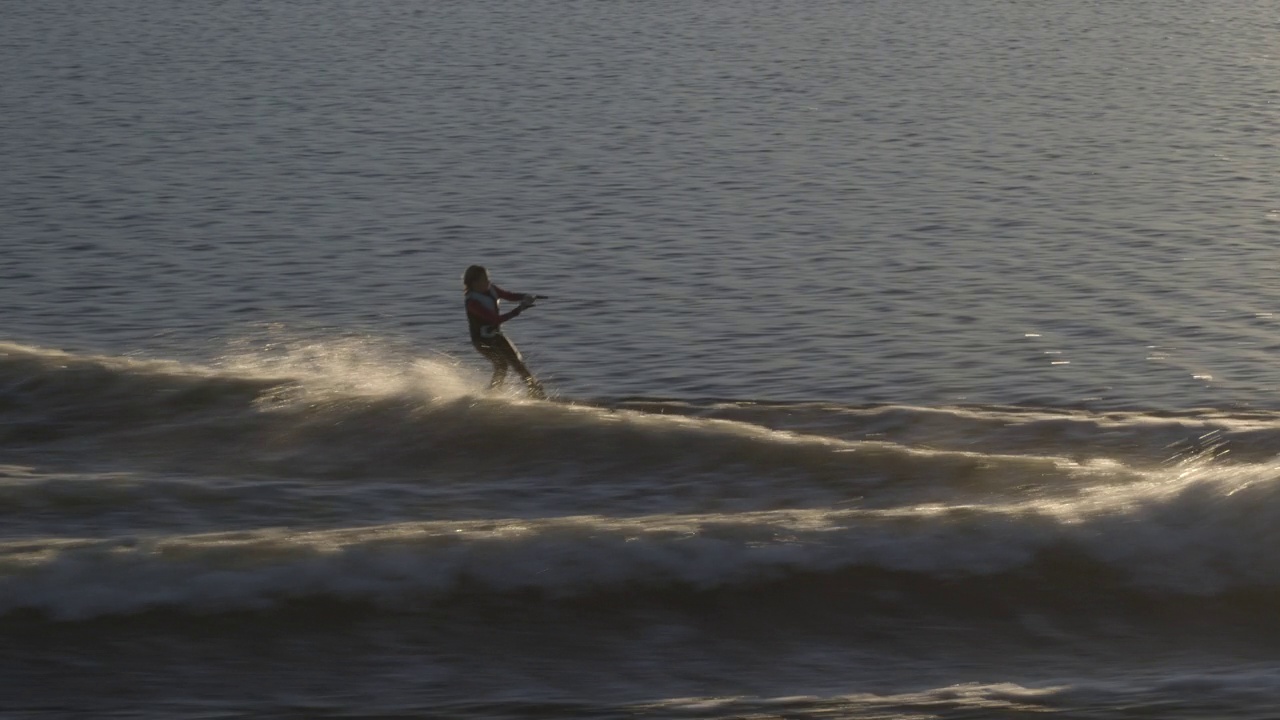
{"type": "Point", "coordinates": [338, 368]}
{"type": "Point", "coordinates": [967, 697]}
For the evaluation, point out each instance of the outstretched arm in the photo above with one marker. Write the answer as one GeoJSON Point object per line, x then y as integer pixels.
{"type": "Point", "coordinates": [506, 295]}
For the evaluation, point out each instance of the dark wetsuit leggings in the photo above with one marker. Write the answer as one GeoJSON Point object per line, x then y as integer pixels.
{"type": "Point", "coordinates": [499, 351]}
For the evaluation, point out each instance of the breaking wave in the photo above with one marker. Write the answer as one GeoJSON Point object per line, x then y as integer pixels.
{"type": "Point", "coordinates": [323, 474]}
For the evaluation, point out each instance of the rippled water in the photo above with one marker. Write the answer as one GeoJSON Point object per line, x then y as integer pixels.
{"type": "Point", "coordinates": [245, 223]}
{"type": "Point", "coordinates": [855, 201]}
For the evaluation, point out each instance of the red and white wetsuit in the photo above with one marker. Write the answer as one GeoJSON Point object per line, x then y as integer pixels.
{"type": "Point", "coordinates": [483, 315]}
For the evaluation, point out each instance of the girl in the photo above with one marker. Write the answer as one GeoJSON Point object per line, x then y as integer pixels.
{"type": "Point", "coordinates": [482, 299]}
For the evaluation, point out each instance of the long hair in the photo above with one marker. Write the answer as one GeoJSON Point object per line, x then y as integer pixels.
{"type": "Point", "coordinates": [469, 277]}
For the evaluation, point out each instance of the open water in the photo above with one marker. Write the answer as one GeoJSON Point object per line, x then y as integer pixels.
{"type": "Point", "coordinates": [913, 359]}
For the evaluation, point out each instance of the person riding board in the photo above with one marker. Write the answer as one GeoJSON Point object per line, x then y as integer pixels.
{"type": "Point", "coordinates": [485, 319]}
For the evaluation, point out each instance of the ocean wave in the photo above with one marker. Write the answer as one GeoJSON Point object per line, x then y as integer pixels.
{"type": "Point", "coordinates": [346, 411]}
{"type": "Point", "coordinates": [346, 474]}
{"type": "Point", "coordinates": [397, 423]}
{"type": "Point", "coordinates": [982, 699]}
{"type": "Point", "coordinates": [365, 389]}
{"type": "Point", "coordinates": [1198, 537]}
{"type": "Point", "coordinates": [1222, 693]}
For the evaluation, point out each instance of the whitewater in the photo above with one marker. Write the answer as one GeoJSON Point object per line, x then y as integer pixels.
{"type": "Point", "coordinates": [396, 507]}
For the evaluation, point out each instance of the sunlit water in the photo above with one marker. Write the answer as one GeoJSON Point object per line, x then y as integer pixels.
{"type": "Point", "coordinates": [245, 223]}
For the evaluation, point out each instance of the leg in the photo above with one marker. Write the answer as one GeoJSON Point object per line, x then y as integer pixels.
{"type": "Point", "coordinates": [499, 360]}
{"type": "Point", "coordinates": [512, 355]}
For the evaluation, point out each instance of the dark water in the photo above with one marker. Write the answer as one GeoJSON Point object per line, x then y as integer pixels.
{"type": "Point", "coordinates": [910, 360]}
